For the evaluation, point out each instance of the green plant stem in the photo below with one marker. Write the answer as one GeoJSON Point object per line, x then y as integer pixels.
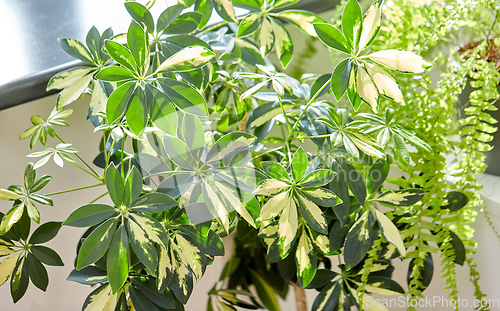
{"type": "Point", "coordinates": [287, 143]}
{"type": "Point", "coordinates": [102, 195]}
{"type": "Point", "coordinates": [286, 117]}
{"type": "Point", "coordinates": [121, 158]}
{"type": "Point", "coordinates": [311, 100]}
{"type": "Point", "coordinates": [86, 171]}
{"type": "Point", "coordinates": [83, 161]}
{"type": "Point", "coordinates": [74, 189]}
{"type": "Point", "coordinates": [318, 136]}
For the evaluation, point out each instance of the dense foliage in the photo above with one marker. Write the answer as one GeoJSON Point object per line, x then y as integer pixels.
{"type": "Point", "coordinates": [223, 142]}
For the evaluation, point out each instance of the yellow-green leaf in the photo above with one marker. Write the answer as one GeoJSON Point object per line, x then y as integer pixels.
{"type": "Point", "coordinates": [12, 216]}
{"type": "Point", "coordinates": [275, 205]}
{"type": "Point", "coordinates": [385, 83]}
{"type": "Point", "coordinates": [288, 224]}
{"type": "Point", "coordinates": [271, 187]}
{"type": "Point", "coordinates": [306, 266]}
{"type": "Point", "coordinates": [73, 92]}
{"type": "Point", "coordinates": [371, 24]}
{"type": "Point", "coordinates": [7, 266]}
{"type": "Point", "coordinates": [390, 232]}
{"type": "Point", "coordinates": [404, 61]}
{"type": "Point", "coordinates": [189, 58]}
{"type": "Point", "coordinates": [366, 88]}
{"type": "Point", "coordinates": [237, 204]}
{"type": "Point", "coordinates": [266, 37]}
{"type": "Point", "coordinates": [98, 299]}
{"type": "Point", "coordinates": [68, 77]}
{"type": "Point", "coordinates": [8, 195]}
{"type": "Point", "coordinates": [189, 255]}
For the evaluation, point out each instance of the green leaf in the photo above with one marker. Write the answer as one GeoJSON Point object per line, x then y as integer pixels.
{"type": "Point", "coordinates": [37, 272]}
{"type": "Point", "coordinates": [118, 261]}
{"type": "Point", "coordinates": [39, 184]}
{"type": "Point", "coordinates": [89, 215]}
{"type": "Point", "coordinates": [265, 291]}
{"type": "Point", "coordinates": [275, 170]}
{"type": "Point", "coordinates": [228, 145]}
{"type": "Point", "coordinates": [96, 244]}
{"type": "Point", "coordinates": [354, 179]}
{"type": "Point", "coordinates": [404, 61]}
{"type": "Point", "coordinates": [383, 286]}
{"type": "Point", "coordinates": [299, 164]}
{"type": "Point", "coordinates": [249, 24]}
{"type": "Point", "coordinates": [303, 19]}
{"type": "Point", "coordinates": [22, 227]}
{"type": "Point", "coordinates": [88, 276]}
{"type": "Point", "coordinates": [306, 261]}
{"type": "Point", "coordinates": [132, 186]}
{"type": "Point", "coordinates": [186, 23]}
{"type": "Point", "coordinates": [456, 201]}
{"type": "Point", "coordinates": [194, 135]}
{"type": "Point", "coordinates": [168, 16]}
{"type": "Point", "coordinates": [115, 74]}
{"type": "Point", "coordinates": [189, 58]}
{"type": "Point", "coordinates": [377, 175]}
{"type": "Point", "coordinates": [322, 278]}
{"type": "Point", "coordinates": [76, 49]}
{"type": "Point", "coordinates": [331, 37]}
{"type": "Point", "coordinates": [327, 298]}
{"type": "Point", "coordinates": [184, 97]}
{"type": "Point", "coordinates": [121, 55]}
{"type": "Point", "coordinates": [118, 101]}
{"type": "Point", "coordinates": [340, 188]}
{"type": "Point", "coordinates": [46, 255]}
{"type": "Point", "coordinates": [249, 52]}
{"type": "Point", "coordinates": [313, 215]}
{"type": "Point", "coordinates": [352, 23]}
{"type": "Point", "coordinates": [178, 152]}
{"type": "Point", "coordinates": [161, 110]}
{"type": "Point", "coordinates": [319, 83]}
{"type": "Point", "coordinates": [266, 112]}
{"type": "Point", "coordinates": [400, 151]}
{"type": "Point", "coordinates": [283, 42]}
{"type": "Point", "coordinates": [141, 14]}
{"type": "Point", "coordinates": [137, 112]}
{"type": "Point", "coordinates": [7, 267]}
{"type": "Point", "coordinates": [45, 232]}
{"type": "Point", "coordinates": [20, 280]}
{"type": "Point", "coordinates": [12, 217]}
{"type": "Point", "coordinates": [148, 289]}
{"type": "Point", "coordinates": [359, 240]}
{"type": "Point", "coordinates": [403, 197]}
{"type": "Point", "coordinates": [317, 178]}
{"type": "Point", "coordinates": [8, 195]}
{"type": "Point", "coordinates": [390, 232]}
{"type": "Point", "coordinates": [340, 78]}
{"type": "Point", "coordinates": [138, 44]}
{"type": "Point", "coordinates": [459, 248]}
{"type": "Point", "coordinates": [225, 10]}
{"type": "Point", "coordinates": [140, 302]}
{"type": "Point", "coordinates": [153, 203]}
{"type": "Point", "coordinates": [115, 185]}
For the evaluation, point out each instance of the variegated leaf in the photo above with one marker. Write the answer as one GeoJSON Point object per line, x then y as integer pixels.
{"type": "Point", "coordinates": [98, 299]}
{"type": "Point", "coordinates": [12, 216]}
{"type": "Point", "coordinates": [271, 187]}
{"type": "Point", "coordinates": [403, 197]}
{"type": "Point", "coordinates": [67, 78]}
{"type": "Point", "coordinates": [187, 59]}
{"type": "Point", "coordinates": [366, 89]}
{"type": "Point", "coordinates": [7, 267]}
{"type": "Point", "coordinates": [275, 205]}
{"type": "Point", "coordinates": [404, 61]}
{"type": "Point", "coordinates": [313, 215]}
{"type": "Point", "coordinates": [303, 19]}
{"type": "Point", "coordinates": [236, 203]}
{"type": "Point", "coordinates": [390, 233]}
{"type": "Point", "coordinates": [306, 260]}
{"type": "Point", "coordinates": [385, 83]}
{"type": "Point", "coordinates": [288, 224]}
{"type": "Point", "coordinates": [371, 24]}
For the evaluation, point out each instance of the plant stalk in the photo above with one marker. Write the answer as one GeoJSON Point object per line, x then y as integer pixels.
{"type": "Point", "coordinates": [300, 298]}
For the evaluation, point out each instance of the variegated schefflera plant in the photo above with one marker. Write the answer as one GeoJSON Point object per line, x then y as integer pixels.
{"type": "Point", "coordinates": [220, 147]}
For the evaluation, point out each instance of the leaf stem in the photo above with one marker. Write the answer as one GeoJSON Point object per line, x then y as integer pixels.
{"type": "Point", "coordinates": [102, 195]}
{"type": "Point", "coordinates": [95, 174]}
{"type": "Point", "coordinates": [86, 171]}
{"type": "Point", "coordinates": [286, 117]}
{"type": "Point", "coordinates": [74, 189]}
{"type": "Point", "coordinates": [311, 100]}
{"type": "Point", "coordinates": [287, 143]}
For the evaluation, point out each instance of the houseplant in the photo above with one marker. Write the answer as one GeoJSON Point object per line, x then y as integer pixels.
{"type": "Point", "coordinates": [203, 164]}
